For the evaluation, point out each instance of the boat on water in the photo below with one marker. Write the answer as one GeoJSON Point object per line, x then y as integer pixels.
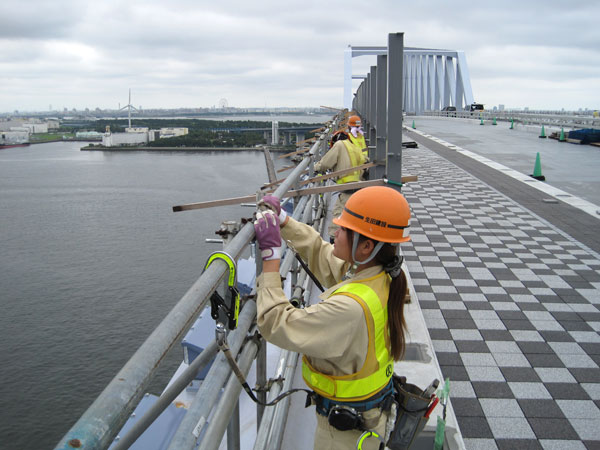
{"type": "Point", "coordinates": [23, 144]}
{"type": "Point", "coordinates": [10, 139]}
{"type": "Point", "coordinates": [203, 405]}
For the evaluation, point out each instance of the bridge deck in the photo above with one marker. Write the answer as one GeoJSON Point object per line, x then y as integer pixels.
{"type": "Point", "coordinates": [509, 284]}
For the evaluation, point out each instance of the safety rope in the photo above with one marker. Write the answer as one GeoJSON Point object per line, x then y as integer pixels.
{"type": "Point", "coordinates": [224, 347]}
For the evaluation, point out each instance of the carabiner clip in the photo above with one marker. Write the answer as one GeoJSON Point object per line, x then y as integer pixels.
{"type": "Point", "coordinates": [231, 304]}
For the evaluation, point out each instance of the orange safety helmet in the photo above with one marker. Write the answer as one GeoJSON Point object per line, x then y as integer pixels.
{"type": "Point", "coordinates": [377, 212]}
{"type": "Point", "coordinates": [354, 121]}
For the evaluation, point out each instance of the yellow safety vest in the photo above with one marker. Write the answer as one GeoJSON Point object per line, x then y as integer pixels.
{"type": "Point", "coordinates": [378, 368]}
{"type": "Point", "coordinates": [356, 159]}
{"type": "Point", "coordinates": [359, 141]}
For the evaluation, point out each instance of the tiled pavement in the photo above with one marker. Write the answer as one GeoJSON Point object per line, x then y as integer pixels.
{"type": "Point", "coordinates": [513, 308]}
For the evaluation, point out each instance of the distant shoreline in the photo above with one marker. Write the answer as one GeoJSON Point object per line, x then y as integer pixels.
{"type": "Point", "coordinates": [49, 141]}
{"type": "Point", "coordinates": [183, 149]}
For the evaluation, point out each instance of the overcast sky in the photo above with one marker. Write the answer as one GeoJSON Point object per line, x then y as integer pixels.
{"type": "Point", "coordinates": [193, 53]}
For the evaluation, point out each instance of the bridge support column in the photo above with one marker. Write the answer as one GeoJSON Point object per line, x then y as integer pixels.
{"type": "Point", "coordinates": [287, 138]}
{"type": "Point", "coordinates": [348, 77]}
{"type": "Point", "coordinates": [299, 137]}
{"type": "Point", "coordinates": [275, 132]}
{"type": "Point", "coordinates": [267, 137]}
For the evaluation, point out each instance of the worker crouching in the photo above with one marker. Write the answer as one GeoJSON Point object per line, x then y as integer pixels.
{"type": "Point", "coordinates": [351, 338]}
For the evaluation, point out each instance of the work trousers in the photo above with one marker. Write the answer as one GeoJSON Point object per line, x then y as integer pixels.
{"type": "Point", "coordinates": [330, 438]}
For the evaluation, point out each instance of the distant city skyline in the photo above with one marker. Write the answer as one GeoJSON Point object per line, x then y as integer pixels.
{"type": "Point", "coordinates": [77, 54]}
{"type": "Point", "coordinates": [214, 110]}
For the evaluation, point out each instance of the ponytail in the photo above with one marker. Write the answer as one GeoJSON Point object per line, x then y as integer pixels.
{"type": "Point", "coordinates": [396, 299]}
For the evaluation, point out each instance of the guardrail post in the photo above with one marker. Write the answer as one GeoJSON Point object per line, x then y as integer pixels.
{"type": "Point", "coordinates": [381, 102]}
{"type": "Point", "coordinates": [373, 110]}
{"type": "Point", "coordinates": [365, 96]}
{"type": "Point", "coordinates": [394, 106]}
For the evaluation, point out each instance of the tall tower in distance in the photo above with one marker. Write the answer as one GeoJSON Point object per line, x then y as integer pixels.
{"type": "Point", "coordinates": [274, 132]}
{"type": "Point", "coordinates": [129, 107]}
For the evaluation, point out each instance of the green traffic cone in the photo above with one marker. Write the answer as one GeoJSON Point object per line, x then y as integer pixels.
{"type": "Point", "coordinates": [512, 124]}
{"type": "Point", "coordinates": [543, 133]}
{"type": "Point", "coordinates": [494, 122]}
{"type": "Point", "coordinates": [562, 135]}
{"type": "Point", "coordinates": [414, 125]}
{"type": "Point", "coordinates": [537, 169]}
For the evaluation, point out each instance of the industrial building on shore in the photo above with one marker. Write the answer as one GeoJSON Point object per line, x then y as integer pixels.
{"type": "Point", "coordinates": [139, 135]}
{"type": "Point", "coordinates": [18, 131]}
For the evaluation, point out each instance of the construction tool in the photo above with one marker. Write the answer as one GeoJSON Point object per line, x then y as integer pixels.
{"type": "Point", "coordinates": [228, 307]}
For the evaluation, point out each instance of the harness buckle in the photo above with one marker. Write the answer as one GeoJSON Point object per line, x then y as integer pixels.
{"type": "Point", "coordinates": [345, 418]}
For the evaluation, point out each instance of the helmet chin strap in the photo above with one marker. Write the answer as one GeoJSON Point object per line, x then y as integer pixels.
{"type": "Point", "coordinates": [355, 245]}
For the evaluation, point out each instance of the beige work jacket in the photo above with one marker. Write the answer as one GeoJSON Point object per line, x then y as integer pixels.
{"type": "Point", "coordinates": [335, 159]}
{"type": "Point", "coordinates": [331, 334]}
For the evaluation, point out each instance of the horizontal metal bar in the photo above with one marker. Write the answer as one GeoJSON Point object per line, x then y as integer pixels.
{"type": "Point", "coordinates": [557, 120]}
{"type": "Point", "coordinates": [213, 203]}
{"type": "Point", "coordinates": [327, 176]}
{"type": "Point", "coordinates": [335, 188]}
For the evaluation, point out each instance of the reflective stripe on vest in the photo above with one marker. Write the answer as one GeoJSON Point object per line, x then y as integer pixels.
{"type": "Point", "coordinates": [356, 159]}
{"type": "Point", "coordinates": [358, 386]}
{"type": "Point", "coordinates": [359, 141]}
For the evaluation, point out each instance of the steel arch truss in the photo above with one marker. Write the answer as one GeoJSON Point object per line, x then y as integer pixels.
{"type": "Point", "coordinates": [432, 79]}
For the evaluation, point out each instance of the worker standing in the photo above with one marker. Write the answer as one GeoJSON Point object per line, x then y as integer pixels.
{"type": "Point", "coordinates": [342, 155]}
{"type": "Point", "coordinates": [350, 339]}
{"type": "Point", "coordinates": [357, 135]}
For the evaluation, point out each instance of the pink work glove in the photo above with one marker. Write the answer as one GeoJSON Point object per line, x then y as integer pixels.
{"type": "Point", "coordinates": [271, 202]}
{"type": "Point", "coordinates": [268, 235]}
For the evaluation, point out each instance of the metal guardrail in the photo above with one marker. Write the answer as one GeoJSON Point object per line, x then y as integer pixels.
{"type": "Point", "coordinates": [99, 425]}
{"type": "Point", "coordinates": [552, 120]}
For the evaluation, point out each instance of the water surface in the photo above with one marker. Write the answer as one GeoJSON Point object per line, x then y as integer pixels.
{"type": "Point", "coordinates": [92, 258]}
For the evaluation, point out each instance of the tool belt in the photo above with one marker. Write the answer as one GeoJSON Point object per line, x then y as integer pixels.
{"type": "Point", "coordinates": [412, 413]}
{"type": "Point", "coordinates": [347, 415]}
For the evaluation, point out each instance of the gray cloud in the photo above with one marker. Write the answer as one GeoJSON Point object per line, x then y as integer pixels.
{"type": "Point", "coordinates": [189, 53]}
{"type": "Point", "coordinates": [38, 19]}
